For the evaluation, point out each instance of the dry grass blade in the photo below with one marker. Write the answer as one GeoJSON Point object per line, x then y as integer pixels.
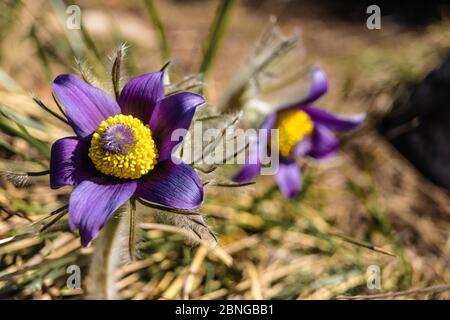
{"type": "Point", "coordinates": [166, 228]}
{"type": "Point", "coordinates": [363, 244]}
{"type": "Point", "coordinates": [58, 217]}
{"type": "Point", "coordinates": [256, 287]}
{"type": "Point", "coordinates": [36, 227]}
{"type": "Point", "coordinates": [194, 270]}
{"type": "Point", "coordinates": [23, 270]}
{"type": "Point", "coordinates": [218, 252]}
{"type": "Point", "coordinates": [12, 213]}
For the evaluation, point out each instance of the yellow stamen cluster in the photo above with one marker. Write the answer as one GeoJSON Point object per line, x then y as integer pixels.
{"type": "Point", "coordinates": [142, 154]}
{"type": "Point", "coordinates": [293, 125]}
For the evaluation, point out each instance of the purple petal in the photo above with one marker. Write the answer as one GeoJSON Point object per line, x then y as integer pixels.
{"type": "Point", "coordinates": [173, 112]}
{"type": "Point", "coordinates": [269, 123]}
{"type": "Point", "coordinates": [259, 148]}
{"type": "Point", "coordinates": [324, 143]}
{"type": "Point", "coordinates": [69, 162]}
{"type": "Point", "coordinates": [173, 185]}
{"type": "Point", "coordinates": [85, 106]}
{"type": "Point", "coordinates": [334, 122]}
{"type": "Point", "coordinates": [319, 85]}
{"type": "Point", "coordinates": [252, 166]}
{"type": "Point", "coordinates": [263, 137]}
{"type": "Point", "coordinates": [247, 173]}
{"type": "Point", "coordinates": [141, 94]}
{"type": "Point", "coordinates": [303, 147]}
{"type": "Point", "coordinates": [288, 178]}
{"type": "Point", "coordinates": [92, 203]}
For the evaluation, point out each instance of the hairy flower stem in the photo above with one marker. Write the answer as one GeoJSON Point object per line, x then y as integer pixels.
{"type": "Point", "coordinates": [110, 254]}
{"type": "Point", "coordinates": [132, 231]}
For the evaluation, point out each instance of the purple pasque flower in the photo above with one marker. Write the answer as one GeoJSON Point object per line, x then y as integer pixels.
{"type": "Point", "coordinates": [121, 149]}
{"type": "Point", "coordinates": [303, 131]}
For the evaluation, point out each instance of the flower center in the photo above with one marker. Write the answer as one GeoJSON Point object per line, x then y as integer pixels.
{"type": "Point", "coordinates": [293, 125]}
{"type": "Point", "coordinates": [123, 147]}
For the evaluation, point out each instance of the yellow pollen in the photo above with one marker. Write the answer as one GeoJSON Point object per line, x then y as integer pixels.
{"type": "Point", "coordinates": [141, 155]}
{"type": "Point", "coordinates": [293, 125]}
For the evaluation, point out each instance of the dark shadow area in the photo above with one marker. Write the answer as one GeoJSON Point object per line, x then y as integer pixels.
{"type": "Point", "coordinates": [418, 125]}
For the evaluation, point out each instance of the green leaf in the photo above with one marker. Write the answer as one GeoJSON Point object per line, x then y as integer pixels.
{"type": "Point", "coordinates": [157, 23]}
{"type": "Point", "coordinates": [216, 33]}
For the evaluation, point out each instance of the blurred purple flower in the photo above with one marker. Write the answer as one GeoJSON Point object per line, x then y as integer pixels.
{"type": "Point", "coordinates": [304, 131]}
{"type": "Point", "coordinates": [121, 149]}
